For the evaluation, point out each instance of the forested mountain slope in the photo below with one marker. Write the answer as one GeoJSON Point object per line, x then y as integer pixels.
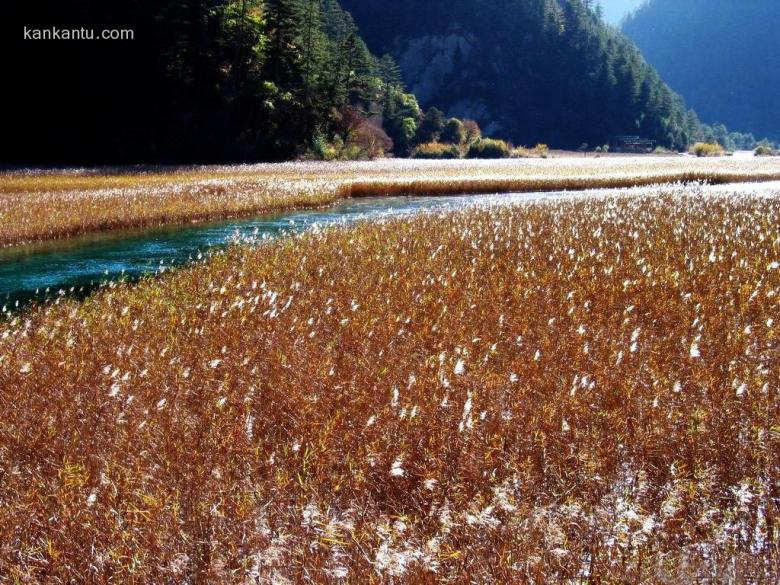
{"type": "Point", "coordinates": [534, 71]}
{"type": "Point", "coordinates": [198, 81]}
{"type": "Point", "coordinates": [723, 56]}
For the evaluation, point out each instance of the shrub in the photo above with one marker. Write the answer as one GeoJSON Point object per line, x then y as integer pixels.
{"type": "Point", "coordinates": [538, 151]}
{"type": "Point", "coordinates": [401, 119]}
{"type": "Point", "coordinates": [454, 132]}
{"type": "Point", "coordinates": [371, 140]}
{"type": "Point", "coordinates": [489, 148]}
{"type": "Point", "coordinates": [322, 149]}
{"type": "Point", "coordinates": [708, 149]}
{"type": "Point", "coordinates": [521, 152]}
{"type": "Point", "coordinates": [473, 131]}
{"type": "Point", "coordinates": [764, 150]}
{"type": "Point", "coordinates": [364, 138]}
{"type": "Point", "coordinates": [431, 127]}
{"type": "Point", "coordinates": [409, 129]}
{"type": "Point", "coordinates": [436, 150]}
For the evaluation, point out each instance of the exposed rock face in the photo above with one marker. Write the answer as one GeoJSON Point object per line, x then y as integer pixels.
{"type": "Point", "coordinates": [527, 70]}
{"type": "Point", "coordinates": [435, 67]}
{"type": "Point", "coordinates": [429, 61]}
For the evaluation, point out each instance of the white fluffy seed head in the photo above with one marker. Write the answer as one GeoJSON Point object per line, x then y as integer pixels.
{"type": "Point", "coordinates": [396, 469]}
{"type": "Point", "coordinates": [695, 353]}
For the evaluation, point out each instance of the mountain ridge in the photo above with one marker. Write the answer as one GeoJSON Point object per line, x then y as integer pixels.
{"type": "Point", "coordinates": [538, 71]}
{"type": "Point", "coordinates": [721, 55]}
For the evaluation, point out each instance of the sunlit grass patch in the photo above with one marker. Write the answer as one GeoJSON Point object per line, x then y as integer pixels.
{"type": "Point", "coordinates": [40, 205]}
{"type": "Point", "coordinates": [548, 392]}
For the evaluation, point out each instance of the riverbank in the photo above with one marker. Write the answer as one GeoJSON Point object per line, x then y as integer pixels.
{"type": "Point", "coordinates": [50, 204]}
{"type": "Point", "coordinates": [544, 391]}
{"type": "Point", "coordinates": [78, 265]}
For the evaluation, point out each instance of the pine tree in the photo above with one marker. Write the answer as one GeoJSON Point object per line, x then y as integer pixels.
{"type": "Point", "coordinates": [284, 21]}
{"type": "Point", "coordinates": [388, 71]}
{"type": "Point", "coordinates": [313, 43]}
{"type": "Point", "coordinates": [542, 70]}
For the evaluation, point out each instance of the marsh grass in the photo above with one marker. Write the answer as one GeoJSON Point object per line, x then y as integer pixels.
{"type": "Point", "coordinates": [577, 390]}
{"type": "Point", "coordinates": [38, 205]}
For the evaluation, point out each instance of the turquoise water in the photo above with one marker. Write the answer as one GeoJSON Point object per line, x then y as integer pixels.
{"type": "Point", "coordinates": [76, 266]}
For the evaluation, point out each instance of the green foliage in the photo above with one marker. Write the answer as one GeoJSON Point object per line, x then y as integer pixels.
{"type": "Point", "coordinates": [432, 126]}
{"type": "Point", "coordinates": [489, 148]}
{"type": "Point", "coordinates": [765, 150]}
{"type": "Point", "coordinates": [540, 70]}
{"type": "Point", "coordinates": [408, 129]}
{"type": "Point", "coordinates": [389, 72]}
{"type": "Point", "coordinates": [219, 81]}
{"type": "Point", "coordinates": [401, 115]}
{"type": "Point", "coordinates": [324, 150]}
{"type": "Point", "coordinates": [436, 150]}
{"type": "Point", "coordinates": [454, 132]}
{"type": "Point", "coordinates": [730, 140]}
{"type": "Point", "coordinates": [320, 67]}
{"type": "Point", "coordinates": [721, 55]}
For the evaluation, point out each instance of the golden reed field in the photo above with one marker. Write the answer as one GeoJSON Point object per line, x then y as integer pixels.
{"type": "Point", "coordinates": [576, 390]}
{"type": "Point", "coordinates": [40, 205]}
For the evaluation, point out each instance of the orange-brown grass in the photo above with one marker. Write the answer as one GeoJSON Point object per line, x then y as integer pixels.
{"type": "Point", "coordinates": [39, 205]}
{"type": "Point", "coordinates": [579, 390]}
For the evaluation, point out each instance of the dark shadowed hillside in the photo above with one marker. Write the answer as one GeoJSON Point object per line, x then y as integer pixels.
{"type": "Point", "coordinates": [537, 70]}
{"type": "Point", "coordinates": [197, 81]}
{"type": "Point", "coordinates": [723, 56]}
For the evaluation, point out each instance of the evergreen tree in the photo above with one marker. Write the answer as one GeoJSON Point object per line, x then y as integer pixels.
{"type": "Point", "coordinates": [204, 80]}
{"type": "Point", "coordinates": [313, 43]}
{"type": "Point", "coordinates": [432, 126]}
{"type": "Point", "coordinates": [284, 21]}
{"type": "Point", "coordinates": [723, 56]}
{"type": "Point", "coordinates": [389, 72]}
{"type": "Point", "coordinates": [535, 71]}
